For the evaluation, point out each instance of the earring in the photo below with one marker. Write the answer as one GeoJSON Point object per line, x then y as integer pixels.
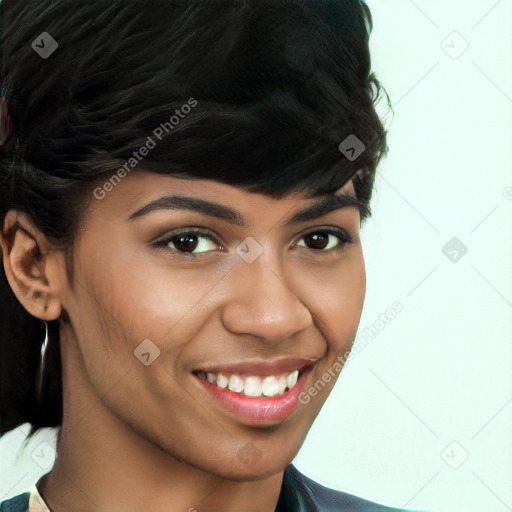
{"type": "Point", "coordinates": [40, 372]}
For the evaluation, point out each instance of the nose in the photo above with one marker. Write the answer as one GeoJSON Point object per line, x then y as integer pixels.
{"type": "Point", "coordinates": [262, 303]}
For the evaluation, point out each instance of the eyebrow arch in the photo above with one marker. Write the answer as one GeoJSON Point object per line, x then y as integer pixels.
{"type": "Point", "coordinates": [322, 207]}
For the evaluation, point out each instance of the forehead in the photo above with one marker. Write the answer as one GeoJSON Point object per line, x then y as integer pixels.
{"type": "Point", "coordinates": [116, 210]}
{"type": "Point", "coordinates": [141, 187]}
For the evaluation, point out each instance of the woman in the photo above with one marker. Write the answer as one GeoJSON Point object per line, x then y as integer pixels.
{"type": "Point", "coordinates": [183, 186]}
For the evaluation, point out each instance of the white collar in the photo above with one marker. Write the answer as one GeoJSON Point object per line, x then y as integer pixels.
{"type": "Point", "coordinates": [36, 503]}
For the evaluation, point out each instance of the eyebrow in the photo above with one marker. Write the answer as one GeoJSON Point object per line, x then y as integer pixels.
{"type": "Point", "coordinates": [325, 205]}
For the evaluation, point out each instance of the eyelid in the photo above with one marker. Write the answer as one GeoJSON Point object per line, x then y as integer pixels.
{"type": "Point", "coordinates": [203, 232]}
{"type": "Point", "coordinates": [340, 233]}
{"type": "Point", "coordinates": [344, 236]}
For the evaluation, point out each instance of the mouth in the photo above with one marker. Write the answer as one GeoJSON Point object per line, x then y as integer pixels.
{"type": "Point", "coordinates": [253, 385]}
{"type": "Point", "coordinates": [256, 399]}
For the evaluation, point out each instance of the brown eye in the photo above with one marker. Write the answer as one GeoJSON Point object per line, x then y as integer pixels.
{"type": "Point", "coordinates": [325, 239]}
{"type": "Point", "coordinates": [186, 242]}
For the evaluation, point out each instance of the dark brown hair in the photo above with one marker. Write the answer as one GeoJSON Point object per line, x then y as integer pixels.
{"type": "Point", "coordinates": [278, 84]}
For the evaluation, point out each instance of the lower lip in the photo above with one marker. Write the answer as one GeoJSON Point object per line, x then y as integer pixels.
{"type": "Point", "coordinates": [265, 409]}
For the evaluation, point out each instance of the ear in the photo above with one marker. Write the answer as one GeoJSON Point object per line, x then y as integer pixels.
{"type": "Point", "coordinates": [32, 266]}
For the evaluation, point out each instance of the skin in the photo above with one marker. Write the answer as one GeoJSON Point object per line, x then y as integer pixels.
{"type": "Point", "coordinates": [127, 428]}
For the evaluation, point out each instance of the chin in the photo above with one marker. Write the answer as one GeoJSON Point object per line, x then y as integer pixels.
{"type": "Point", "coordinates": [238, 471]}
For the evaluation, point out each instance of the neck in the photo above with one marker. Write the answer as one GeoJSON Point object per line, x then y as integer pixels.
{"type": "Point", "coordinates": [122, 474]}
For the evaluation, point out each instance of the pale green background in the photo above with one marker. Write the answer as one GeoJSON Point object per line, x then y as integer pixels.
{"type": "Point", "coordinates": [440, 371]}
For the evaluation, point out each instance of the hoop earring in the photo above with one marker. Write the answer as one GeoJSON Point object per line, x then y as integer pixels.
{"type": "Point", "coordinates": [40, 372]}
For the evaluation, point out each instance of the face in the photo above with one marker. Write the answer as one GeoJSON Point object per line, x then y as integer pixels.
{"type": "Point", "coordinates": [172, 292]}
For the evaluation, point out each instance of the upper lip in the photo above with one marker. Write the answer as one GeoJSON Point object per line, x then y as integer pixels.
{"type": "Point", "coordinates": [259, 367]}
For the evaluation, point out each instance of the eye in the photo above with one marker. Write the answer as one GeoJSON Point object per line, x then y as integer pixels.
{"type": "Point", "coordinates": [186, 241]}
{"type": "Point", "coordinates": [319, 240]}
{"type": "Point", "coordinates": [194, 241]}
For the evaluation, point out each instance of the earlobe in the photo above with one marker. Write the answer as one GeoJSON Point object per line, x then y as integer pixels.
{"type": "Point", "coordinates": [27, 259]}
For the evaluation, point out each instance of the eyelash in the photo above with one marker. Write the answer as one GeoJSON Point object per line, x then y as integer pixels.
{"type": "Point", "coordinates": [344, 236]}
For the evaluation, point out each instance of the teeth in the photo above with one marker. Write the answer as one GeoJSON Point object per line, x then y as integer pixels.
{"type": "Point", "coordinates": [291, 380]}
{"type": "Point", "coordinates": [236, 383]}
{"type": "Point", "coordinates": [270, 386]}
{"type": "Point", "coordinates": [253, 385]}
{"type": "Point", "coordinates": [282, 384]}
{"type": "Point", "coordinates": [222, 380]}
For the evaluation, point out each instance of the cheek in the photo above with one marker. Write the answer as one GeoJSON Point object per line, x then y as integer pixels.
{"type": "Point", "coordinates": [133, 301]}
{"type": "Point", "coordinates": [165, 304]}
{"type": "Point", "coordinates": [339, 298]}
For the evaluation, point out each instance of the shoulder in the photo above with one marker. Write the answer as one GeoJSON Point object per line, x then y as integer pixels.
{"type": "Point", "coordinates": [17, 503]}
{"type": "Point", "coordinates": [316, 497]}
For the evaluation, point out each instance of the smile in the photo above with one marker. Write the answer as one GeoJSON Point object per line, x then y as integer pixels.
{"type": "Point", "coordinates": [253, 385]}
{"type": "Point", "coordinates": [256, 393]}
